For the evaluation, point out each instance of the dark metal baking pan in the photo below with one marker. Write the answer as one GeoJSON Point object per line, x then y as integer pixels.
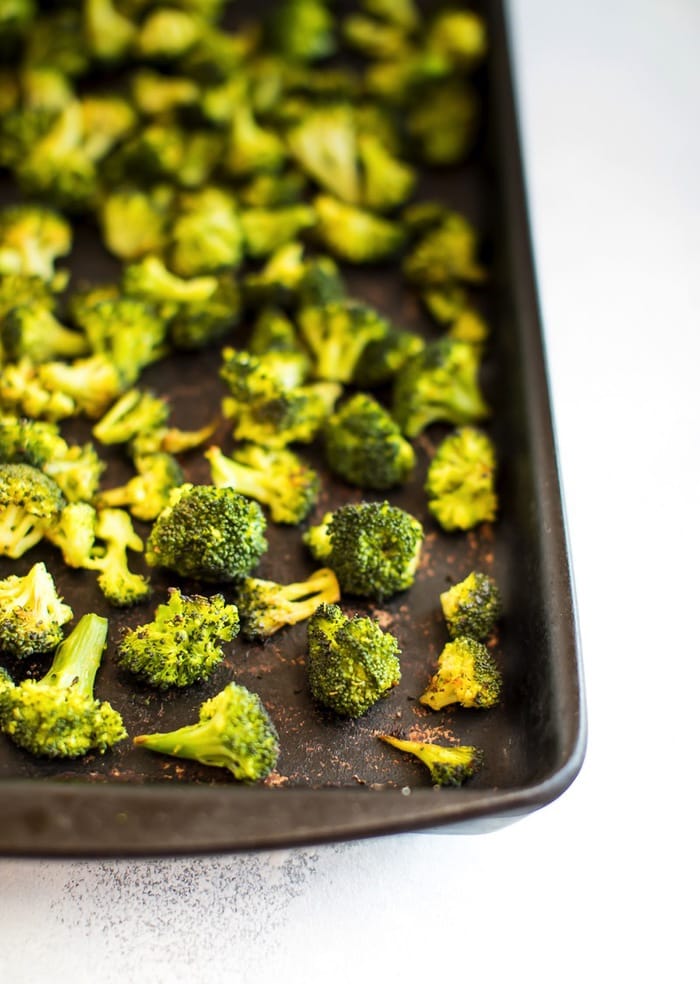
{"type": "Point", "coordinates": [335, 780]}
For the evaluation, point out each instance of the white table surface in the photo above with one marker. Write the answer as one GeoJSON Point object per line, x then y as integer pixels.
{"type": "Point", "coordinates": [603, 882]}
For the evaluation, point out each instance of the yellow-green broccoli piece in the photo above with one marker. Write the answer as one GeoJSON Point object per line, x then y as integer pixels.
{"type": "Point", "coordinates": [460, 482]}
{"type": "Point", "coordinates": [449, 765]}
{"type": "Point", "coordinates": [365, 446]}
{"type": "Point", "coordinates": [466, 674]}
{"type": "Point", "coordinates": [265, 607]}
{"type": "Point", "coordinates": [30, 503]}
{"type": "Point", "coordinates": [32, 614]}
{"type": "Point", "coordinates": [472, 606]}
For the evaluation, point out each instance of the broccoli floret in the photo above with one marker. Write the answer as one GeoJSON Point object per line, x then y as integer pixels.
{"type": "Point", "coordinates": [234, 732]}
{"type": "Point", "coordinates": [324, 145]}
{"type": "Point", "coordinates": [155, 94]}
{"type": "Point", "coordinates": [403, 13]}
{"type": "Point", "coordinates": [208, 533]}
{"type": "Point", "coordinates": [58, 716]}
{"type": "Point", "coordinates": [355, 234]}
{"type": "Point", "coordinates": [207, 235]}
{"type": "Point", "coordinates": [198, 325]}
{"type": "Point", "coordinates": [248, 376]}
{"type": "Point", "coordinates": [20, 291]}
{"type": "Point", "coordinates": [22, 392]}
{"type": "Point", "coordinates": [365, 446]}
{"type": "Point", "coordinates": [91, 384]}
{"type": "Point", "coordinates": [32, 238]}
{"type": "Point", "coordinates": [56, 42]}
{"type": "Point", "coordinates": [448, 765]}
{"type": "Point", "coordinates": [441, 123]}
{"type": "Point", "coordinates": [373, 38]}
{"type": "Point", "coordinates": [278, 282]}
{"type": "Point", "coordinates": [460, 480]}
{"type": "Point", "coordinates": [472, 607]}
{"type": "Point", "coordinates": [459, 35]}
{"type": "Point", "coordinates": [302, 30]}
{"type": "Point", "coordinates": [77, 472]}
{"type": "Point", "coordinates": [272, 190]}
{"type": "Point", "coordinates": [445, 254]}
{"type": "Point", "coordinates": [322, 283]}
{"type": "Point", "coordinates": [135, 412]}
{"type": "Point", "coordinates": [151, 279]}
{"type": "Point", "coordinates": [120, 586]}
{"type": "Point", "coordinates": [451, 308]}
{"type": "Point", "coordinates": [128, 330]}
{"type": "Point", "coordinates": [466, 674]}
{"type": "Point", "coordinates": [32, 614]}
{"type": "Point", "coordinates": [276, 477]}
{"type": "Point", "coordinates": [267, 229]}
{"type": "Point", "coordinates": [148, 492]}
{"type": "Point", "coordinates": [134, 223]}
{"type": "Point", "coordinates": [109, 34]}
{"type": "Point", "coordinates": [337, 333]}
{"type": "Point", "coordinates": [182, 644]}
{"type": "Point", "coordinates": [274, 339]}
{"type": "Point", "coordinates": [373, 547]}
{"type": "Point", "coordinates": [351, 663]}
{"type": "Point", "coordinates": [251, 147]}
{"type": "Point", "coordinates": [265, 607]}
{"type": "Point", "coordinates": [34, 333]}
{"type": "Point", "coordinates": [30, 503]}
{"type": "Point", "coordinates": [439, 384]}
{"type": "Point", "coordinates": [166, 34]}
{"type": "Point", "coordinates": [74, 533]}
{"type": "Point", "coordinates": [388, 182]}
{"type": "Point", "coordinates": [107, 120]}
{"type": "Point", "coordinates": [383, 357]}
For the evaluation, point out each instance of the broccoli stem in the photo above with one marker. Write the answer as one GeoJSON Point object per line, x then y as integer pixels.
{"type": "Point", "coordinates": [77, 659]}
{"type": "Point", "coordinates": [19, 531]}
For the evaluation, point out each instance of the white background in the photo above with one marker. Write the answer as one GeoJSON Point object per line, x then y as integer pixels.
{"type": "Point", "coordinates": [603, 882]}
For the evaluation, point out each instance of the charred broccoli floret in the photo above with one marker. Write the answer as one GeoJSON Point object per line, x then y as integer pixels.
{"type": "Point", "coordinates": [466, 674]}
{"type": "Point", "coordinates": [32, 614]}
{"type": "Point", "coordinates": [148, 492]}
{"type": "Point", "coordinates": [234, 732]}
{"type": "Point", "coordinates": [337, 334]}
{"type": "Point", "coordinates": [276, 477]}
{"type": "Point", "coordinates": [58, 716]}
{"type": "Point", "coordinates": [351, 663]}
{"type": "Point", "coordinates": [449, 765]}
{"type": "Point", "coordinates": [182, 644]}
{"type": "Point", "coordinates": [354, 234]}
{"type": "Point", "coordinates": [265, 607]}
{"type": "Point", "coordinates": [365, 446]}
{"type": "Point", "coordinates": [373, 547]}
{"type": "Point", "coordinates": [439, 384]}
{"type": "Point", "coordinates": [472, 607]}
{"type": "Point", "coordinates": [30, 503]}
{"type": "Point", "coordinates": [208, 533]}
{"type": "Point", "coordinates": [32, 238]}
{"type": "Point", "coordinates": [460, 480]}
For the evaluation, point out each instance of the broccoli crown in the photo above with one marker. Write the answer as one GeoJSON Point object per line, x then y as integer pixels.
{"type": "Point", "coordinates": [383, 357]}
{"type": "Point", "coordinates": [337, 334]}
{"type": "Point", "coordinates": [121, 586]}
{"type": "Point", "coordinates": [267, 229]}
{"type": "Point", "coordinates": [460, 480]}
{"type": "Point", "coordinates": [265, 607]}
{"type": "Point", "coordinates": [30, 442]}
{"type": "Point", "coordinates": [365, 446]}
{"type": "Point", "coordinates": [351, 662]}
{"type": "Point", "coordinates": [128, 330]}
{"type": "Point", "coordinates": [207, 235]}
{"type": "Point", "coordinates": [36, 334]}
{"type": "Point", "coordinates": [354, 234]}
{"type": "Point", "coordinates": [472, 607]}
{"type": "Point", "coordinates": [90, 384]}
{"type": "Point", "coordinates": [373, 547]}
{"type": "Point", "coordinates": [445, 253]}
{"type": "Point", "coordinates": [448, 765]}
{"type": "Point", "coordinates": [208, 533]}
{"type": "Point", "coordinates": [32, 238]}
{"type": "Point", "coordinates": [276, 477]}
{"type": "Point", "coordinates": [135, 412]}
{"type": "Point", "coordinates": [59, 716]}
{"type": "Point", "coordinates": [134, 221]}
{"type": "Point", "coordinates": [302, 30]}
{"type": "Point", "coordinates": [438, 384]}
{"type": "Point", "coordinates": [148, 492]}
{"type": "Point", "coordinates": [30, 501]}
{"type": "Point", "coordinates": [466, 674]}
{"type": "Point", "coordinates": [32, 615]}
{"type": "Point", "coordinates": [182, 644]}
{"type": "Point", "coordinates": [234, 732]}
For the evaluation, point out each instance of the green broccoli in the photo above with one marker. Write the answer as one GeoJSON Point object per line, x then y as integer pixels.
{"type": "Point", "coordinates": [208, 533]}
{"type": "Point", "coordinates": [135, 412]}
{"type": "Point", "coordinates": [466, 674]}
{"type": "Point", "coordinates": [374, 38]}
{"type": "Point", "coordinates": [472, 607]}
{"type": "Point", "coordinates": [402, 13]}
{"type": "Point", "coordinates": [30, 503]}
{"type": "Point", "coordinates": [206, 235]}
{"type": "Point", "coordinates": [249, 376]}
{"type": "Point", "coordinates": [251, 147]}
{"type": "Point", "coordinates": [74, 533]}
{"type": "Point", "coordinates": [276, 477]}
{"type": "Point", "coordinates": [148, 492]}
{"type": "Point", "coordinates": [373, 547]}
{"type": "Point", "coordinates": [388, 182]}
{"type": "Point", "coordinates": [32, 238]}
{"type": "Point", "coordinates": [18, 290]}
{"type": "Point", "coordinates": [32, 614]}
{"type": "Point", "coordinates": [182, 644]}
{"type": "Point", "coordinates": [274, 339]}
{"type": "Point", "coordinates": [351, 663]}
{"type": "Point", "coordinates": [58, 716]}
{"type": "Point", "coordinates": [265, 607]}
{"type": "Point", "coordinates": [33, 332]}
{"type": "Point", "coordinates": [135, 222]}
{"type": "Point", "coordinates": [234, 732]}
{"type": "Point", "coordinates": [382, 358]}
{"type": "Point", "coordinates": [107, 120]}
{"type": "Point", "coordinates": [155, 93]}
{"type": "Point", "coordinates": [267, 229]}
{"type": "Point", "coordinates": [121, 587]}
{"type": "Point", "coordinates": [441, 125]}
{"type": "Point", "coordinates": [167, 34]}
{"type": "Point", "coordinates": [355, 234]}
{"type": "Point", "coordinates": [451, 308]}
{"type": "Point", "coordinates": [22, 392]}
{"type": "Point", "coordinates": [279, 281]}
{"type": "Point", "coordinates": [438, 384]}
{"type": "Point", "coordinates": [90, 384]}
{"type": "Point", "coordinates": [149, 278]}
{"type": "Point", "coordinates": [445, 254]}
{"type": "Point", "coordinates": [272, 190]}
{"type": "Point", "coordinates": [459, 35]}
{"type": "Point", "coordinates": [449, 765]}
{"type": "Point", "coordinates": [460, 480]}
{"type": "Point", "coordinates": [109, 34]}
{"type": "Point", "coordinates": [337, 333]}
{"type": "Point", "coordinates": [324, 146]}
{"type": "Point", "coordinates": [129, 331]}
{"type": "Point", "coordinates": [77, 472]}
{"type": "Point", "coordinates": [322, 283]}
{"type": "Point", "coordinates": [302, 30]}
{"type": "Point", "coordinates": [365, 446]}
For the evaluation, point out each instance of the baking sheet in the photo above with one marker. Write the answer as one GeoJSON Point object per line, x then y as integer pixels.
{"type": "Point", "coordinates": [335, 779]}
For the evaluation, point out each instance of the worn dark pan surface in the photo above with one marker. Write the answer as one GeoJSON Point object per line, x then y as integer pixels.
{"type": "Point", "coordinates": [335, 780]}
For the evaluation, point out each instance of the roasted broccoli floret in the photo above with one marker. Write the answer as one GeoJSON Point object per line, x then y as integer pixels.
{"type": "Point", "coordinates": [275, 340]}
{"type": "Point", "coordinates": [355, 234]}
{"type": "Point", "coordinates": [207, 235]}
{"type": "Point", "coordinates": [351, 663]}
{"type": "Point", "coordinates": [182, 644]}
{"type": "Point", "coordinates": [447, 253]}
{"type": "Point", "coordinates": [374, 38]}
{"type": "Point", "coordinates": [302, 30]}
{"type": "Point", "coordinates": [22, 392]}
{"type": "Point", "coordinates": [208, 533]}
{"type": "Point", "coordinates": [439, 384]}
{"type": "Point", "coordinates": [402, 13]}
{"type": "Point", "coordinates": [35, 333]}
{"type": "Point", "coordinates": [365, 446]}
{"type": "Point", "coordinates": [278, 282]}
{"type": "Point", "coordinates": [90, 384]}
{"type": "Point", "coordinates": [472, 607]}
{"type": "Point", "coordinates": [134, 222]}
{"type": "Point", "coordinates": [337, 334]}
{"type": "Point", "coordinates": [30, 503]}
{"type": "Point", "coordinates": [135, 412]}
{"type": "Point", "coordinates": [167, 33]}
{"type": "Point", "coordinates": [324, 145]}
{"type": "Point", "coordinates": [77, 472]}
{"type": "Point", "coordinates": [267, 229]}
{"type": "Point", "coordinates": [121, 586]}
{"type": "Point", "coordinates": [387, 181]}
{"type": "Point", "coordinates": [383, 357]}
{"type": "Point", "coordinates": [32, 238]}
{"type": "Point", "coordinates": [109, 33]}
{"type": "Point", "coordinates": [466, 674]}
{"type": "Point", "coordinates": [459, 35]}
{"type": "Point", "coordinates": [322, 283]}
{"type": "Point", "coordinates": [452, 309]}
{"type": "Point", "coordinates": [449, 765]}
{"type": "Point", "coordinates": [128, 331]}
{"type": "Point", "coordinates": [265, 607]}
{"type": "Point", "coordinates": [441, 124]}
{"type": "Point", "coordinates": [58, 716]}
{"type": "Point", "coordinates": [32, 614]}
{"type": "Point", "coordinates": [373, 547]}
{"type": "Point", "coordinates": [251, 148]}
{"type": "Point", "coordinates": [234, 732]}
{"type": "Point", "coordinates": [74, 533]}
{"type": "Point", "coordinates": [148, 492]}
{"type": "Point", "coordinates": [276, 477]}
{"type": "Point", "coordinates": [460, 480]}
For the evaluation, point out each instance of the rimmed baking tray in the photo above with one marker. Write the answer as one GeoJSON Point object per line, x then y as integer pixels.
{"type": "Point", "coordinates": [335, 779]}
